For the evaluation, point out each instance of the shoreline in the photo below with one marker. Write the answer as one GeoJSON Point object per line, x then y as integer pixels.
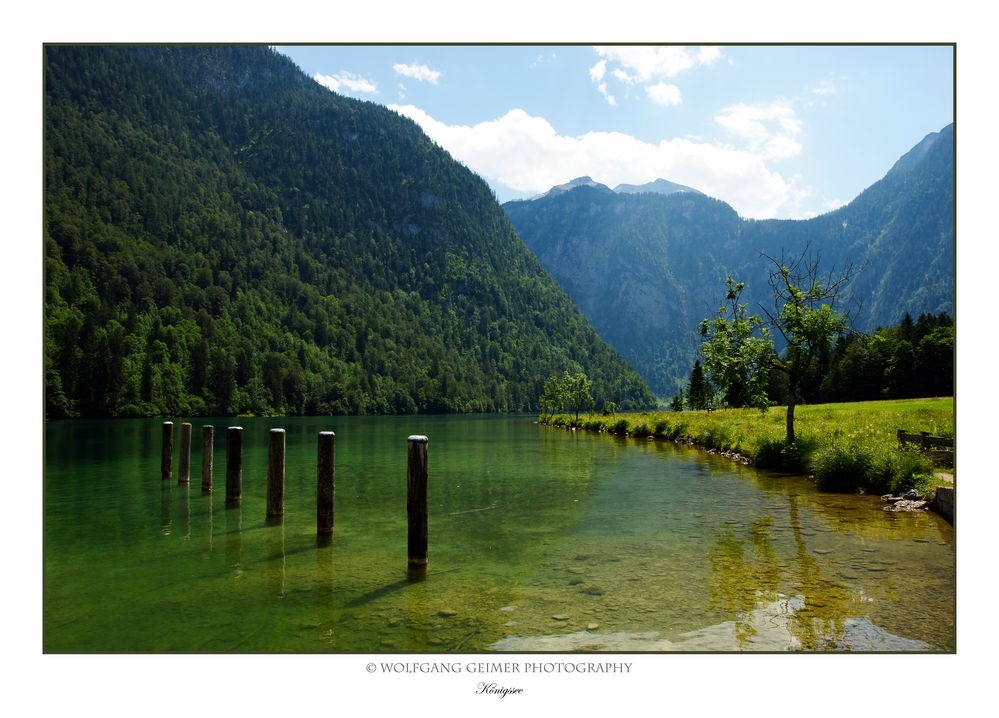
{"type": "Point", "coordinates": [842, 448]}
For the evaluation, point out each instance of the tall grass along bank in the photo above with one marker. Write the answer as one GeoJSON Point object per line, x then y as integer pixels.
{"type": "Point", "coordinates": [843, 446]}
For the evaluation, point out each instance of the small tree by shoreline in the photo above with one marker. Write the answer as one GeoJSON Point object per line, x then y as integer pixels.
{"type": "Point", "coordinates": [572, 391]}
{"type": "Point", "coordinates": [738, 345]}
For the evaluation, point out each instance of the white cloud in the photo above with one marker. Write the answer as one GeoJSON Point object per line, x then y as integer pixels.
{"type": "Point", "coordinates": [832, 204]}
{"type": "Point", "coordinates": [643, 64]}
{"type": "Point", "coordinates": [708, 54]}
{"type": "Point", "coordinates": [769, 129]}
{"type": "Point", "coordinates": [602, 87]}
{"type": "Point", "coordinates": [527, 155]}
{"type": "Point", "coordinates": [543, 59]}
{"type": "Point", "coordinates": [649, 66]}
{"type": "Point", "coordinates": [597, 71]}
{"type": "Point", "coordinates": [418, 72]}
{"type": "Point", "coordinates": [826, 87]}
{"type": "Point", "coordinates": [347, 81]}
{"type": "Point", "coordinates": [664, 93]}
{"type": "Point", "coordinates": [624, 76]}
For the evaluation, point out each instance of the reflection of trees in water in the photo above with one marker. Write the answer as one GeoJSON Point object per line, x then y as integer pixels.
{"type": "Point", "coordinates": [741, 572]}
{"type": "Point", "coordinates": [820, 622]}
{"type": "Point", "coordinates": [858, 516]}
{"type": "Point", "coordinates": [749, 574]}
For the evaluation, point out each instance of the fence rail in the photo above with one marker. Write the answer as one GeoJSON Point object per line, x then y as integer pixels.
{"type": "Point", "coordinates": [924, 440]}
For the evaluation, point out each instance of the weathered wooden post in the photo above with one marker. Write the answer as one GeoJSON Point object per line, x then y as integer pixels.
{"type": "Point", "coordinates": [166, 463]}
{"type": "Point", "coordinates": [207, 457]}
{"type": "Point", "coordinates": [416, 502]}
{"type": "Point", "coordinates": [325, 482]}
{"type": "Point", "coordinates": [924, 439]}
{"type": "Point", "coordinates": [275, 473]}
{"type": "Point", "coordinates": [184, 468]}
{"type": "Point", "coordinates": [234, 466]}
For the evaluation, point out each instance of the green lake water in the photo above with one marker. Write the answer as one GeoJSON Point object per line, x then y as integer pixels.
{"type": "Point", "coordinates": [540, 540]}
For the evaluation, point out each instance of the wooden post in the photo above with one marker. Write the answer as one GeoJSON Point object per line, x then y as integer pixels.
{"type": "Point", "coordinates": [166, 463]}
{"type": "Point", "coordinates": [900, 433]}
{"type": "Point", "coordinates": [416, 503]}
{"type": "Point", "coordinates": [207, 457]}
{"type": "Point", "coordinates": [234, 466]}
{"type": "Point", "coordinates": [325, 482]}
{"type": "Point", "coordinates": [275, 473]}
{"type": "Point", "coordinates": [184, 469]}
{"type": "Point", "coordinates": [923, 437]}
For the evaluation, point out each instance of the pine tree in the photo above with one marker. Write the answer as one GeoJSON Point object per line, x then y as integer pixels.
{"type": "Point", "coordinates": [697, 393]}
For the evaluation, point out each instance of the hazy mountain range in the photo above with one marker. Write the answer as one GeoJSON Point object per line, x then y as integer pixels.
{"type": "Point", "coordinates": [647, 263]}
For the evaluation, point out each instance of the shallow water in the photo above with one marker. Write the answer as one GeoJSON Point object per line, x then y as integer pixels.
{"type": "Point", "coordinates": [540, 540]}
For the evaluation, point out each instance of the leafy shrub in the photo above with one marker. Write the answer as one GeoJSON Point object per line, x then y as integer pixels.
{"type": "Point", "coordinates": [619, 427]}
{"type": "Point", "coordinates": [664, 429]}
{"type": "Point", "coordinates": [843, 467]}
{"type": "Point", "coordinates": [896, 470]}
{"type": "Point", "coordinates": [769, 454]}
{"type": "Point", "coordinates": [777, 455]}
{"type": "Point", "coordinates": [641, 430]}
{"type": "Point", "coordinates": [797, 458]}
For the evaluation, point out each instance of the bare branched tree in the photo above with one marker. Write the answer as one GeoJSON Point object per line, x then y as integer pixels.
{"type": "Point", "coordinates": [738, 346]}
{"type": "Point", "coordinates": [806, 314]}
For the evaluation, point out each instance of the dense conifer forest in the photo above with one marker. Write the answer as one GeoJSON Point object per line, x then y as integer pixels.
{"type": "Point", "coordinates": [911, 360]}
{"type": "Point", "coordinates": [225, 236]}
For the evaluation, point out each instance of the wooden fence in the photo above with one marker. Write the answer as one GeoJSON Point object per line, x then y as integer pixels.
{"type": "Point", "coordinates": [941, 448]}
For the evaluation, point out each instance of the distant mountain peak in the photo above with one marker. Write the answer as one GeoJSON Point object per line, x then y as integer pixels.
{"type": "Point", "coordinates": [625, 258]}
{"type": "Point", "coordinates": [911, 159]}
{"type": "Point", "coordinates": [584, 181]}
{"type": "Point", "coordinates": [659, 186]}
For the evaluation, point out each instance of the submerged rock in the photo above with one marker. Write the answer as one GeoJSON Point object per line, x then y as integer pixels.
{"type": "Point", "coordinates": [907, 505]}
{"type": "Point", "coordinates": [911, 500]}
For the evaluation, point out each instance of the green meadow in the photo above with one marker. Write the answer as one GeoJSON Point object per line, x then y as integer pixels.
{"type": "Point", "coordinates": [844, 446]}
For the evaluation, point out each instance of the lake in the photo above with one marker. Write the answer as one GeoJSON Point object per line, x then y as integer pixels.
{"type": "Point", "coordinates": [540, 539]}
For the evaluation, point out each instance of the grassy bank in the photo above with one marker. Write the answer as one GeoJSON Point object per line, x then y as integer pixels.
{"type": "Point", "coordinates": [843, 445]}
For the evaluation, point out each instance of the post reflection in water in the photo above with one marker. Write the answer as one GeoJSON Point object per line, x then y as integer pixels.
{"type": "Point", "coordinates": [234, 540]}
{"type": "Point", "coordinates": [166, 521]}
{"type": "Point", "coordinates": [417, 607]}
{"type": "Point", "coordinates": [209, 532]}
{"type": "Point", "coordinates": [184, 489]}
{"type": "Point", "coordinates": [324, 593]}
{"type": "Point", "coordinates": [277, 559]}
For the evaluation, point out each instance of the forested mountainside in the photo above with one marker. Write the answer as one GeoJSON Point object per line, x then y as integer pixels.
{"type": "Point", "coordinates": [645, 268]}
{"type": "Point", "coordinates": [223, 235]}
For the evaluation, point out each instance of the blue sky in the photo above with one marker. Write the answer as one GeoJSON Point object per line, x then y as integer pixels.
{"type": "Point", "coordinates": [776, 131]}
